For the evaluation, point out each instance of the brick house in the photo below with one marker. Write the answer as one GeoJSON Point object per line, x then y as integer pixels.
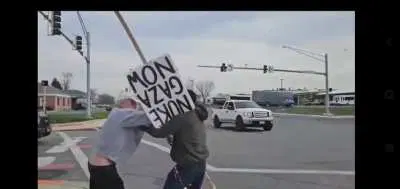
{"type": "Point", "coordinates": [56, 99]}
{"type": "Point", "coordinates": [78, 98]}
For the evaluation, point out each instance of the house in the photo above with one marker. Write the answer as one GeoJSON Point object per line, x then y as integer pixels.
{"type": "Point", "coordinates": [78, 98]}
{"type": "Point", "coordinates": [56, 99]}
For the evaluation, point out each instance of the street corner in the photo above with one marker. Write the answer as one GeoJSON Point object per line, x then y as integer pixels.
{"type": "Point", "coordinates": [62, 184]}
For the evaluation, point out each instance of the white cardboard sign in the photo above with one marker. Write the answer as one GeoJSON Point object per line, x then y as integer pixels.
{"type": "Point", "coordinates": [157, 85]}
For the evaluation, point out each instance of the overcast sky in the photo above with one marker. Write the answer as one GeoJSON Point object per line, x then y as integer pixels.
{"type": "Point", "coordinates": [206, 38]}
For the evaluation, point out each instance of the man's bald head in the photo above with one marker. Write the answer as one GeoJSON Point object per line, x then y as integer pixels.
{"type": "Point", "coordinates": [127, 103]}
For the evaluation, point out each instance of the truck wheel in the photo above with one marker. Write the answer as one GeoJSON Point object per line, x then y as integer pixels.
{"type": "Point", "coordinates": [267, 126]}
{"type": "Point", "coordinates": [217, 123]}
{"type": "Point", "coordinates": [239, 123]}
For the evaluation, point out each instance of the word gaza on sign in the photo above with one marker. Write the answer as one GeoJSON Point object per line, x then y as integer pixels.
{"type": "Point", "coordinates": [157, 85]}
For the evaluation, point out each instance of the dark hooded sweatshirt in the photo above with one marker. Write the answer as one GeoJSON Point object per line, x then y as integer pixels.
{"type": "Point", "coordinates": [189, 144]}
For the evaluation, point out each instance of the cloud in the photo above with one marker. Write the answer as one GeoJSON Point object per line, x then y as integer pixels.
{"type": "Point", "coordinates": [206, 38]}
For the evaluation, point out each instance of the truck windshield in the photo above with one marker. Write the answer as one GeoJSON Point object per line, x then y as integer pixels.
{"type": "Point", "coordinates": [246, 104]}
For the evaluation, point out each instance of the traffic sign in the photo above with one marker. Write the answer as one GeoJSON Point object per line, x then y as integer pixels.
{"type": "Point", "coordinates": [270, 69]}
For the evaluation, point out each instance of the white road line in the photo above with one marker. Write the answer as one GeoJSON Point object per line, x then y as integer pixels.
{"type": "Point", "coordinates": [43, 161]}
{"type": "Point", "coordinates": [165, 149]}
{"type": "Point", "coordinates": [64, 146]}
{"type": "Point", "coordinates": [264, 171]}
{"type": "Point", "coordinates": [77, 152]}
{"type": "Point", "coordinates": [284, 171]}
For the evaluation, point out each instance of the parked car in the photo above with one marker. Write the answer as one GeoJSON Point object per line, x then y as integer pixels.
{"type": "Point", "coordinates": [44, 127]}
{"type": "Point", "coordinates": [243, 113]}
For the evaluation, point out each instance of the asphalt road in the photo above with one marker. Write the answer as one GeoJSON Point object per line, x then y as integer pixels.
{"type": "Point", "coordinates": [251, 159]}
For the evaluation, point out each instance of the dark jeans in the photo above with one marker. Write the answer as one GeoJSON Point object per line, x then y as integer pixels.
{"type": "Point", "coordinates": [189, 176]}
{"type": "Point", "coordinates": [104, 177]}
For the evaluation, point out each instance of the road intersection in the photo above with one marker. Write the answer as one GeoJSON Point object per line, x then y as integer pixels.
{"type": "Point", "coordinates": [297, 153]}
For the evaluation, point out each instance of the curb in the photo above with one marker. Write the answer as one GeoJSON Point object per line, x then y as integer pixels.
{"type": "Point", "coordinates": [85, 125]}
{"type": "Point", "coordinates": [75, 129]}
{"type": "Point", "coordinates": [61, 184]}
{"type": "Point", "coordinates": [316, 116]}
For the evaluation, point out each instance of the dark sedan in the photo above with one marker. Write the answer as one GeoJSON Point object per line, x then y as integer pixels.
{"type": "Point", "coordinates": [44, 127]}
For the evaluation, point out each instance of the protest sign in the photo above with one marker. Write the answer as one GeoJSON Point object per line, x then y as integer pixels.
{"type": "Point", "coordinates": [157, 85]}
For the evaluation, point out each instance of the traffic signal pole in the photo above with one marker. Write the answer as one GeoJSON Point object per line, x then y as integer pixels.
{"type": "Point", "coordinates": [275, 70]}
{"type": "Point", "coordinates": [88, 92]}
{"type": "Point", "coordinates": [62, 34]}
{"type": "Point", "coordinates": [87, 58]}
{"type": "Point", "coordinates": [326, 85]}
{"type": "Point", "coordinates": [322, 58]}
{"type": "Point", "coordinates": [266, 69]}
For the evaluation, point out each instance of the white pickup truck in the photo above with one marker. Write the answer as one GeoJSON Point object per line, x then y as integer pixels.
{"type": "Point", "coordinates": [243, 113]}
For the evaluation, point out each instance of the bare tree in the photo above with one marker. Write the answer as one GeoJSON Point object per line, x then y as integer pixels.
{"type": "Point", "coordinates": [66, 80]}
{"type": "Point", "coordinates": [93, 95]}
{"type": "Point", "coordinates": [205, 88]}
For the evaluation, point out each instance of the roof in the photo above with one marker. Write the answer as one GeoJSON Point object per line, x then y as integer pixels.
{"type": "Point", "coordinates": [338, 92]}
{"type": "Point", "coordinates": [75, 93]}
{"type": "Point", "coordinates": [50, 90]}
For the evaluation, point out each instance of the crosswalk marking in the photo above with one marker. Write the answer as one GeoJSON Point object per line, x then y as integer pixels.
{"type": "Point", "coordinates": [43, 161]}
{"type": "Point", "coordinates": [64, 146]}
{"type": "Point", "coordinates": [77, 152]}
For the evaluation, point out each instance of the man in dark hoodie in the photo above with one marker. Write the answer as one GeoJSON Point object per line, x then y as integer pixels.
{"type": "Point", "coordinates": [189, 149]}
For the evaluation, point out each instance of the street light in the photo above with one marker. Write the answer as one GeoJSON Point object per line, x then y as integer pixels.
{"type": "Point", "coordinates": [322, 58]}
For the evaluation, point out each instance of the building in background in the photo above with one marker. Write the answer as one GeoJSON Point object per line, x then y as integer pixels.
{"type": "Point", "coordinates": [278, 97]}
{"type": "Point", "coordinates": [56, 100]}
{"type": "Point", "coordinates": [317, 97]}
{"type": "Point", "coordinates": [78, 99]}
{"type": "Point", "coordinates": [338, 97]}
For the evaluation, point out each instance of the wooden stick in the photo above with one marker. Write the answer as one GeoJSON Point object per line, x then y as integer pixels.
{"type": "Point", "coordinates": [130, 36]}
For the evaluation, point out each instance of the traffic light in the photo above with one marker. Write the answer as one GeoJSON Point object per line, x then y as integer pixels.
{"type": "Point", "coordinates": [223, 67]}
{"type": "Point", "coordinates": [44, 83]}
{"type": "Point", "coordinates": [265, 69]}
{"type": "Point", "coordinates": [78, 43]}
{"type": "Point", "coordinates": [56, 23]}
{"type": "Point", "coordinates": [330, 89]}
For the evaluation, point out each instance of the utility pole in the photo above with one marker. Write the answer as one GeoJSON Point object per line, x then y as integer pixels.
{"type": "Point", "coordinates": [281, 84]}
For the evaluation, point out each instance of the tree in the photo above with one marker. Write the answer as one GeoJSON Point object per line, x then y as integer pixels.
{"type": "Point", "coordinates": [66, 80]}
{"type": "Point", "coordinates": [205, 88]}
{"type": "Point", "coordinates": [106, 99]}
{"type": "Point", "coordinates": [93, 95]}
{"type": "Point", "coordinates": [56, 84]}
